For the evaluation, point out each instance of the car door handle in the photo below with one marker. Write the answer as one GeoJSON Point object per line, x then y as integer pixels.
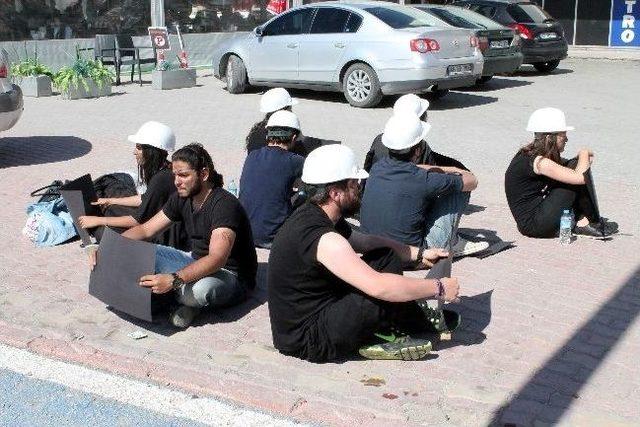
{"type": "Point", "coordinates": [339, 45]}
{"type": "Point", "coordinates": [292, 45]}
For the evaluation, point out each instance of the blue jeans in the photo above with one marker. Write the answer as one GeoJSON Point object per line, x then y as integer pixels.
{"type": "Point", "coordinates": [221, 289]}
{"type": "Point", "coordinates": [443, 217]}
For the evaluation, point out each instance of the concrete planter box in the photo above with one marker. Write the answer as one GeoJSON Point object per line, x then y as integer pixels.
{"type": "Point", "coordinates": [35, 86]}
{"type": "Point", "coordinates": [173, 79]}
{"type": "Point", "coordinates": [93, 92]}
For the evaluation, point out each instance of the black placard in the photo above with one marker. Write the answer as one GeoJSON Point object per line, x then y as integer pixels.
{"type": "Point", "coordinates": [78, 195]}
{"type": "Point", "coordinates": [116, 276]}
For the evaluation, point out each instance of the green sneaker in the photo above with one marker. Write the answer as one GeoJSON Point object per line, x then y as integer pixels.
{"type": "Point", "coordinates": [402, 348]}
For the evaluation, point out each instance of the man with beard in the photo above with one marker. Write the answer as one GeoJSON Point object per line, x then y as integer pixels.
{"type": "Point", "coordinates": [221, 269]}
{"type": "Point", "coordinates": [324, 300]}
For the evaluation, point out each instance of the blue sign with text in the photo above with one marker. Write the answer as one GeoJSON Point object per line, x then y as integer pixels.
{"type": "Point", "coordinates": [625, 18]}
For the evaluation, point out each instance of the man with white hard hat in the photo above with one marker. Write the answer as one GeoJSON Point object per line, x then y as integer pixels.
{"type": "Point", "coordinates": [414, 105]}
{"type": "Point", "coordinates": [540, 185]}
{"type": "Point", "coordinates": [416, 204]}
{"type": "Point", "coordinates": [268, 176]}
{"type": "Point", "coordinates": [325, 301]}
{"type": "Point", "coordinates": [273, 100]}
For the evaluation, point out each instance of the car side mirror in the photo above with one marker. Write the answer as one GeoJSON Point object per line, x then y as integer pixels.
{"type": "Point", "coordinates": [258, 31]}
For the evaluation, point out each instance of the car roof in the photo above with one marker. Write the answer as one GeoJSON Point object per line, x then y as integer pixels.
{"type": "Point", "coordinates": [493, 1]}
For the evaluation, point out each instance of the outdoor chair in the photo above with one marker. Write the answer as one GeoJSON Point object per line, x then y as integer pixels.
{"type": "Point", "coordinates": [104, 49]}
{"type": "Point", "coordinates": [128, 54]}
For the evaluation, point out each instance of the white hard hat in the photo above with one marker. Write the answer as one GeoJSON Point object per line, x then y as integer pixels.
{"type": "Point", "coordinates": [331, 163]}
{"type": "Point", "coordinates": [403, 131]}
{"type": "Point", "coordinates": [283, 118]}
{"type": "Point", "coordinates": [155, 134]}
{"type": "Point", "coordinates": [410, 103]}
{"type": "Point", "coordinates": [548, 120]}
{"type": "Point", "coordinates": [276, 99]}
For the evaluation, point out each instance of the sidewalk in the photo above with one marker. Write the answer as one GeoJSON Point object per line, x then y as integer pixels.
{"type": "Point", "coordinates": [550, 334]}
{"type": "Point", "coordinates": [604, 52]}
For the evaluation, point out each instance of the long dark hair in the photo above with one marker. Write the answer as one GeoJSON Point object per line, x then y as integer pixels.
{"type": "Point", "coordinates": [198, 158]}
{"type": "Point", "coordinates": [544, 144]}
{"type": "Point", "coordinates": [153, 161]}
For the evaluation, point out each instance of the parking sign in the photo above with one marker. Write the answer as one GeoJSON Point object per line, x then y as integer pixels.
{"type": "Point", "coordinates": [159, 38]}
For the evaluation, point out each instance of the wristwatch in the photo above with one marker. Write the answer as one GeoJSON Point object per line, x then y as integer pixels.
{"type": "Point", "coordinates": [177, 282]}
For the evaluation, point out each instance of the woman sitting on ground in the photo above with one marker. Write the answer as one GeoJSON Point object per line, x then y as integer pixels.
{"type": "Point", "coordinates": [540, 185]}
{"type": "Point", "coordinates": [153, 141]}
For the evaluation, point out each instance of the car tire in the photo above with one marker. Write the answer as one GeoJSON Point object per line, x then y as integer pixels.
{"type": "Point", "coordinates": [546, 67]}
{"type": "Point", "coordinates": [361, 86]}
{"type": "Point", "coordinates": [236, 75]}
{"type": "Point", "coordinates": [482, 80]}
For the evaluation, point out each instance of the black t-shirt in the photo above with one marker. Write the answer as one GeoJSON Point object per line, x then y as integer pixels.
{"type": "Point", "coordinates": [266, 186]}
{"type": "Point", "coordinates": [159, 189]}
{"type": "Point", "coordinates": [299, 287]}
{"type": "Point", "coordinates": [221, 209]}
{"type": "Point", "coordinates": [525, 190]}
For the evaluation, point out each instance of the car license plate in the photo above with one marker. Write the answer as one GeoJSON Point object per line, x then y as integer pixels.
{"type": "Point", "coordinates": [547, 36]}
{"type": "Point", "coordinates": [459, 70]}
{"type": "Point", "coordinates": [499, 44]}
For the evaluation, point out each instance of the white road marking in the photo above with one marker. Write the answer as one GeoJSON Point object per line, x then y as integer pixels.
{"type": "Point", "coordinates": [136, 393]}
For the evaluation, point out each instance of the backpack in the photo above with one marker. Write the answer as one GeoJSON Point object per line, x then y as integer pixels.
{"type": "Point", "coordinates": [49, 222]}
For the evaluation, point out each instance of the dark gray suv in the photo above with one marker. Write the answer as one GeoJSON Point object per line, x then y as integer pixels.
{"type": "Point", "coordinates": [543, 42]}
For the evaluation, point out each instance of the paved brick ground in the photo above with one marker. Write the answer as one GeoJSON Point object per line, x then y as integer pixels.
{"type": "Point", "coordinates": [550, 333]}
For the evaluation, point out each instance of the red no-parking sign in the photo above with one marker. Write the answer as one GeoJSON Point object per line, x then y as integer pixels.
{"type": "Point", "coordinates": [159, 38]}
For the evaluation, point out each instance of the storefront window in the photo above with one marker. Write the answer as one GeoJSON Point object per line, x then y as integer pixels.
{"type": "Point", "coordinates": [206, 16]}
{"type": "Point", "coordinates": [66, 19]}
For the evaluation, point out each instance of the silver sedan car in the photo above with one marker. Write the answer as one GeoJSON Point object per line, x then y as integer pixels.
{"type": "Point", "coordinates": [364, 49]}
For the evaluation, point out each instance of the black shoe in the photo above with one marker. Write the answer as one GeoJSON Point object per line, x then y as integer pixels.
{"type": "Point", "coordinates": [612, 226]}
{"type": "Point", "coordinates": [593, 230]}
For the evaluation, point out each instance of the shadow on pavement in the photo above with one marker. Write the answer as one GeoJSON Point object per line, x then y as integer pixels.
{"type": "Point", "coordinates": [476, 316]}
{"type": "Point", "coordinates": [37, 150]}
{"type": "Point", "coordinates": [496, 83]}
{"type": "Point", "coordinates": [460, 100]}
{"type": "Point", "coordinates": [530, 71]}
{"type": "Point", "coordinates": [471, 209]}
{"type": "Point", "coordinates": [567, 371]}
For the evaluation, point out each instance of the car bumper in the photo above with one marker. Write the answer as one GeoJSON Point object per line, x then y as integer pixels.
{"type": "Point", "coordinates": [539, 52]}
{"type": "Point", "coordinates": [395, 81]}
{"type": "Point", "coordinates": [502, 64]}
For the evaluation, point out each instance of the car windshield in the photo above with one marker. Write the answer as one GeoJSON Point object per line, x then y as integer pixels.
{"type": "Point", "coordinates": [528, 13]}
{"type": "Point", "coordinates": [401, 17]}
{"type": "Point", "coordinates": [451, 18]}
{"type": "Point", "coordinates": [475, 18]}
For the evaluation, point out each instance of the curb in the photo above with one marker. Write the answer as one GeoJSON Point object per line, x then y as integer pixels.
{"type": "Point", "coordinates": [283, 403]}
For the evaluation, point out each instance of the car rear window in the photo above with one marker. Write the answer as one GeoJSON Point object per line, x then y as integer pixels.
{"type": "Point", "coordinates": [451, 18]}
{"type": "Point", "coordinates": [528, 13]}
{"type": "Point", "coordinates": [401, 17]}
{"type": "Point", "coordinates": [475, 18]}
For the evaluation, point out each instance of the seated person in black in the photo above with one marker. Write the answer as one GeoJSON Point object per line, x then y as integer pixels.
{"type": "Point", "coordinates": [221, 269]}
{"type": "Point", "coordinates": [268, 176]}
{"type": "Point", "coordinates": [540, 185]}
{"type": "Point", "coordinates": [410, 104]}
{"type": "Point", "coordinates": [153, 142]}
{"type": "Point", "coordinates": [273, 100]}
{"type": "Point", "coordinates": [324, 300]}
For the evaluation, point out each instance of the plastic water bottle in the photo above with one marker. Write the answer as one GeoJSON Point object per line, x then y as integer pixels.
{"type": "Point", "coordinates": [566, 221]}
{"type": "Point", "coordinates": [233, 188]}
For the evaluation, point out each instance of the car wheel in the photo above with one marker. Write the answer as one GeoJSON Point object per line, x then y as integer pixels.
{"type": "Point", "coordinates": [545, 67]}
{"type": "Point", "coordinates": [236, 75]}
{"type": "Point", "coordinates": [483, 79]}
{"type": "Point", "coordinates": [361, 86]}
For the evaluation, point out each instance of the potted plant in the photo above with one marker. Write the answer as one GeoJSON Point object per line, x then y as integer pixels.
{"type": "Point", "coordinates": [33, 77]}
{"type": "Point", "coordinates": [85, 78]}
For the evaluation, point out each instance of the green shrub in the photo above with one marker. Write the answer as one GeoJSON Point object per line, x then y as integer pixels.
{"type": "Point", "coordinates": [29, 66]}
{"type": "Point", "coordinates": [80, 71]}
